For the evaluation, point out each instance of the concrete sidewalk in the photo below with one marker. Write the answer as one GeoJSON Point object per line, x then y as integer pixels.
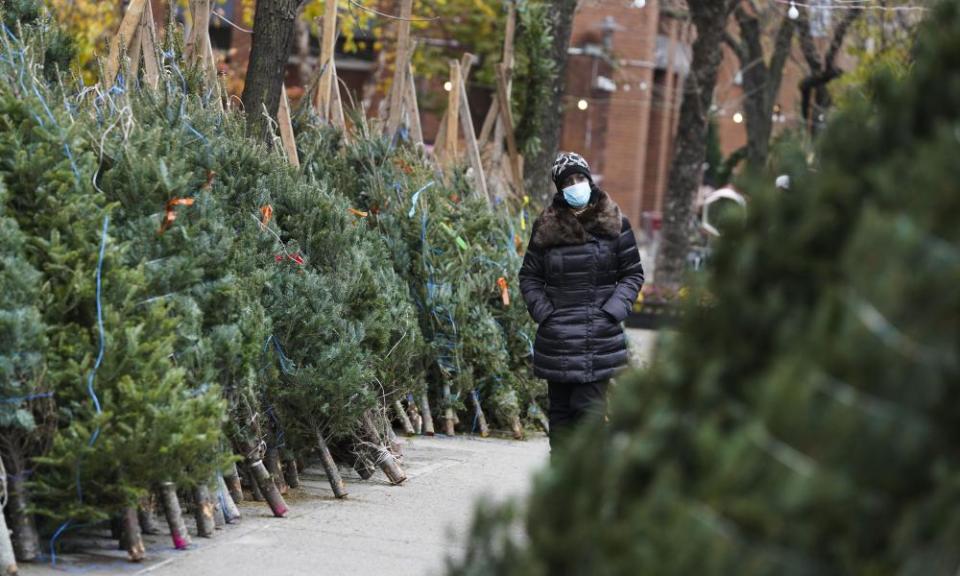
{"type": "Point", "coordinates": [378, 529]}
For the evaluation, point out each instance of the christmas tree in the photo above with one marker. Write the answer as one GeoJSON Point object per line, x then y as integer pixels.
{"type": "Point", "coordinates": [803, 422]}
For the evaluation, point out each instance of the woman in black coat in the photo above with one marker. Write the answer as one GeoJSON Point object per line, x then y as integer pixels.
{"type": "Point", "coordinates": [580, 277]}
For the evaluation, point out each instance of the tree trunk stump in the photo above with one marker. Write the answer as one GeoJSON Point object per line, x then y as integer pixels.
{"type": "Point", "coordinates": [364, 467]}
{"type": "Point", "coordinates": [231, 513]}
{"type": "Point", "coordinates": [516, 428]}
{"type": "Point", "coordinates": [384, 459]}
{"type": "Point", "coordinates": [147, 516]}
{"type": "Point", "coordinates": [268, 488]}
{"type": "Point", "coordinates": [8, 562]}
{"type": "Point", "coordinates": [272, 462]}
{"type": "Point", "coordinates": [171, 509]}
{"type": "Point", "coordinates": [26, 541]}
{"type": "Point", "coordinates": [290, 473]}
{"type": "Point", "coordinates": [330, 467]}
{"type": "Point", "coordinates": [404, 418]}
{"type": "Point", "coordinates": [131, 539]}
{"type": "Point", "coordinates": [427, 417]}
{"type": "Point", "coordinates": [203, 511]}
{"type": "Point", "coordinates": [255, 492]}
{"type": "Point", "coordinates": [232, 480]}
{"type": "Point", "coordinates": [448, 416]}
{"type": "Point", "coordinates": [481, 418]}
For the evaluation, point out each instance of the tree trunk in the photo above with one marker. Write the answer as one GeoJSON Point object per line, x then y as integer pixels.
{"type": "Point", "coordinates": [232, 480]}
{"type": "Point", "coordinates": [130, 537]}
{"type": "Point", "coordinates": [171, 508]}
{"type": "Point", "coordinates": [404, 419]}
{"type": "Point", "coordinates": [26, 541]}
{"type": "Point", "coordinates": [255, 492]}
{"type": "Point", "coordinates": [448, 420]}
{"type": "Point", "coordinates": [709, 17]}
{"type": "Point", "coordinates": [8, 562]}
{"type": "Point", "coordinates": [427, 417]}
{"type": "Point", "coordinates": [268, 488]}
{"type": "Point", "coordinates": [393, 442]}
{"type": "Point", "coordinates": [203, 511]}
{"type": "Point", "coordinates": [481, 418]}
{"type": "Point", "coordinates": [290, 473]}
{"type": "Point", "coordinates": [330, 467]}
{"type": "Point", "coordinates": [364, 467]}
{"type": "Point", "coordinates": [219, 518]}
{"type": "Point", "coordinates": [516, 428]}
{"type": "Point", "coordinates": [384, 459]}
{"type": "Point", "coordinates": [272, 462]}
{"type": "Point", "coordinates": [537, 166]}
{"type": "Point", "coordinates": [273, 28]}
{"type": "Point", "coordinates": [540, 417]}
{"type": "Point", "coordinates": [147, 516]}
{"type": "Point", "coordinates": [230, 511]}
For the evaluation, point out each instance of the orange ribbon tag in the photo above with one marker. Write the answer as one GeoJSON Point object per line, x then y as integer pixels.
{"type": "Point", "coordinates": [504, 291]}
{"type": "Point", "coordinates": [171, 214]}
{"type": "Point", "coordinates": [267, 213]}
{"type": "Point", "coordinates": [358, 213]}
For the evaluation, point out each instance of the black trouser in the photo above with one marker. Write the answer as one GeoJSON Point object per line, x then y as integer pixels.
{"type": "Point", "coordinates": [571, 403]}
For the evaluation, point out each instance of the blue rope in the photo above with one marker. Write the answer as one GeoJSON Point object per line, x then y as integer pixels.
{"type": "Point", "coordinates": [416, 197]}
{"type": "Point", "coordinates": [18, 399]}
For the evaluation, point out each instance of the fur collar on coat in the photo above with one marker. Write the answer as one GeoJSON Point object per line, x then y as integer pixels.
{"type": "Point", "coordinates": [558, 226]}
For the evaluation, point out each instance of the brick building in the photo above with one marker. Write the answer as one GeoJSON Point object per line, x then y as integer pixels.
{"type": "Point", "coordinates": [625, 74]}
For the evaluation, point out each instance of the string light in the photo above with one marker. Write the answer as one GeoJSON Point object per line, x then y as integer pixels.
{"type": "Point", "coordinates": [448, 85]}
{"type": "Point", "coordinates": [583, 104]}
{"type": "Point", "coordinates": [738, 118]}
{"type": "Point", "coordinates": [793, 13]}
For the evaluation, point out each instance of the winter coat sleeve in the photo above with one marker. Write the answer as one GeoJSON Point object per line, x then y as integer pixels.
{"type": "Point", "coordinates": [629, 275]}
{"type": "Point", "coordinates": [532, 284]}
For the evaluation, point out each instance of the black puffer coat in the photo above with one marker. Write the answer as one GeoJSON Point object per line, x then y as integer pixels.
{"type": "Point", "coordinates": [580, 278]}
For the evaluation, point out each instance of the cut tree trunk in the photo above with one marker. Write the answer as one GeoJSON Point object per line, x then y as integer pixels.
{"type": "Point", "coordinates": [203, 511]}
{"type": "Point", "coordinates": [686, 170]}
{"type": "Point", "coordinates": [481, 418]}
{"type": "Point", "coordinates": [8, 562]}
{"type": "Point", "coordinates": [147, 515]}
{"type": "Point", "coordinates": [330, 467]}
{"type": "Point", "coordinates": [268, 488]}
{"type": "Point", "coordinates": [171, 509]}
{"type": "Point", "coordinates": [272, 462]}
{"type": "Point", "coordinates": [290, 473]}
{"type": "Point", "coordinates": [427, 417]}
{"type": "Point", "coordinates": [130, 537]}
{"type": "Point", "coordinates": [384, 459]}
{"type": "Point", "coordinates": [364, 467]}
{"type": "Point", "coordinates": [273, 31]}
{"type": "Point", "coordinates": [255, 492]}
{"type": "Point", "coordinates": [231, 513]}
{"type": "Point", "coordinates": [540, 416]}
{"type": "Point", "coordinates": [516, 428]}
{"type": "Point", "coordinates": [393, 442]}
{"type": "Point", "coordinates": [448, 419]}
{"type": "Point", "coordinates": [232, 481]}
{"type": "Point", "coordinates": [404, 419]}
{"type": "Point", "coordinates": [219, 519]}
{"type": "Point", "coordinates": [26, 541]}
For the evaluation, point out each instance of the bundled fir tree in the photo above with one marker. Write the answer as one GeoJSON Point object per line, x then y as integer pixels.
{"type": "Point", "coordinates": [127, 420]}
{"type": "Point", "coordinates": [25, 404]}
{"type": "Point", "coordinates": [804, 421]}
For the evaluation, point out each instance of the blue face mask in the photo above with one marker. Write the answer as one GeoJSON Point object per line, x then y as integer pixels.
{"type": "Point", "coordinates": [577, 195]}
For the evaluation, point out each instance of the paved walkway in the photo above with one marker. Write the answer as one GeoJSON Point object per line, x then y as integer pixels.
{"type": "Point", "coordinates": [378, 529]}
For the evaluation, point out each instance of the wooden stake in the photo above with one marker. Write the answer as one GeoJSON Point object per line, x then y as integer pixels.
{"type": "Point", "coordinates": [490, 121]}
{"type": "Point", "coordinates": [148, 39]}
{"type": "Point", "coordinates": [330, 467]}
{"type": "Point", "coordinates": [286, 128]}
{"type": "Point", "coordinates": [398, 89]}
{"type": "Point", "coordinates": [506, 115]}
{"type": "Point", "coordinates": [404, 419]}
{"type": "Point", "coordinates": [203, 511]}
{"type": "Point", "coordinates": [122, 40]}
{"type": "Point", "coordinates": [466, 65]}
{"type": "Point", "coordinates": [171, 508]}
{"type": "Point", "coordinates": [413, 109]}
{"type": "Point", "coordinates": [473, 150]}
{"type": "Point", "coordinates": [453, 114]}
{"type": "Point", "coordinates": [328, 42]}
{"type": "Point", "coordinates": [336, 104]}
